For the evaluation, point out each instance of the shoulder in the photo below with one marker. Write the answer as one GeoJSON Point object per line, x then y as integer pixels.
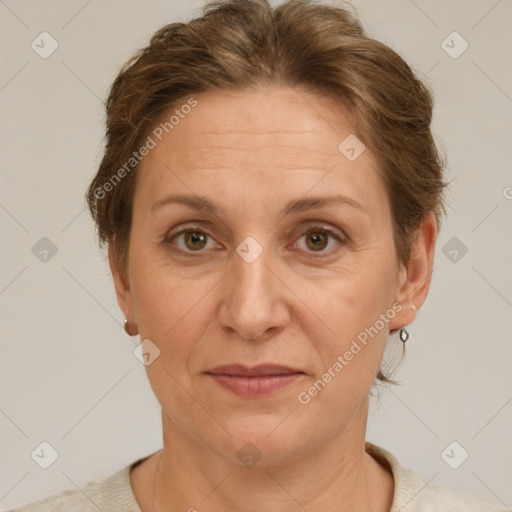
{"type": "Point", "coordinates": [435, 497]}
{"type": "Point", "coordinates": [413, 494]}
{"type": "Point", "coordinates": [111, 494]}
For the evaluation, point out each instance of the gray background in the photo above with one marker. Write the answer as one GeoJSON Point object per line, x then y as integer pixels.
{"type": "Point", "coordinates": [68, 374]}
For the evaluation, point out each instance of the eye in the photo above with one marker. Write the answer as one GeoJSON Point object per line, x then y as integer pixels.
{"type": "Point", "coordinates": [317, 239]}
{"type": "Point", "coordinates": [193, 240]}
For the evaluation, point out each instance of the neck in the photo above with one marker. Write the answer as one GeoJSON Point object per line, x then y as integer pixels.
{"type": "Point", "coordinates": [337, 475]}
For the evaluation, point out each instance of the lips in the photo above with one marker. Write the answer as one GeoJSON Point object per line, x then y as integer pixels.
{"type": "Point", "coordinates": [255, 382]}
{"type": "Point", "coordinates": [255, 371]}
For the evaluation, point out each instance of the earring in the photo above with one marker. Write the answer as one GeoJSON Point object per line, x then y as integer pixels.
{"type": "Point", "coordinates": [130, 329]}
{"type": "Point", "coordinates": [403, 334]}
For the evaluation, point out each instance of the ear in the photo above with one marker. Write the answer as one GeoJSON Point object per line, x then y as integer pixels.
{"type": "Point", "coordinates": [414, 278]}
{"type": "Point", "coordinates": [121, 284]}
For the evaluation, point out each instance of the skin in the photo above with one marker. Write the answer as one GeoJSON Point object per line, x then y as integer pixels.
{"type": "Point", "coordinates": [297, 304]}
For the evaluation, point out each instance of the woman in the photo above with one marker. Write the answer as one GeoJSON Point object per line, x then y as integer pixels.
{"type": "Point", "coordinates": [270, 195]}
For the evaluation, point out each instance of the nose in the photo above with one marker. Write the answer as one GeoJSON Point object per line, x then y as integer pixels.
{"type": "Point", "coordinates": [254, 303]}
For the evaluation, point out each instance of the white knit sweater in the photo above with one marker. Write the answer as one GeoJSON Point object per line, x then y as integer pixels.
{"type": "Point", "coordinates": [411, 494]}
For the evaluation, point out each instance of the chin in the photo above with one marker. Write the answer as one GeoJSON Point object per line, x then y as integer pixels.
{"type": "Point", "coordinates": [263, 440]}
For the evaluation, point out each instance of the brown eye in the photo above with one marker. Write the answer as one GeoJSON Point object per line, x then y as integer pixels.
{"type": "Point", "coordinates": [190, 240]}
{"type": "Point", "coordinates": [195, 240]}
{"type": "Point", "coordinates": [317, 240]}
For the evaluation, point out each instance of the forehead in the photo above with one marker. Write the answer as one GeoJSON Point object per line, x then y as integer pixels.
{"type": "Point", "coordinates": [241, 122]}
{"type": "Point", "coordinates": [283, 136]}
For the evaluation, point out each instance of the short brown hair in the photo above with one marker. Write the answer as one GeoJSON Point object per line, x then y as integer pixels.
{"type": "Point", "coordinates": [242, 44]}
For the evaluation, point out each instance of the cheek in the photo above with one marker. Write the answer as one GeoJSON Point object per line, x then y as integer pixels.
{"type": "Point", "coordinates": [347, 362]}
{"type": "Point", "coordinates": [173, 307]}
{"type": "Point", "coordinates": [170, 314]}
{"type": "Point", "coordinates": [360, 290]}
{"type": "Point", "coordinates": [357, 308]}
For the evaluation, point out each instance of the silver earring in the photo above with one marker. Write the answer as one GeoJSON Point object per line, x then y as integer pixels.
{"type": "Point", "coordinates": [403, 334]}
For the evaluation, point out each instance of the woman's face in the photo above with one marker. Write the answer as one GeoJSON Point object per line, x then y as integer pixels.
{"type": "Point", "coordinates": [276, 275]}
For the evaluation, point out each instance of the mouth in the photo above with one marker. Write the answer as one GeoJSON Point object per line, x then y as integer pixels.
{"type": "Point", "coordinates": [258, 381]}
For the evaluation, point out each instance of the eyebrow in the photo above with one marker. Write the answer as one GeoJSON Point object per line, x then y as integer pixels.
{"type": "Point", "coordinates": [294, 206]}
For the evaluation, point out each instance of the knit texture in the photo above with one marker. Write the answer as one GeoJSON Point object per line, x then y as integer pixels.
{"type": "Point", "coordinates": [411, 494]}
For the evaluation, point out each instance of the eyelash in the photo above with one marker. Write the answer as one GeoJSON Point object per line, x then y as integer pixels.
{"type": "Point", "coordinates": [311, 229]}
